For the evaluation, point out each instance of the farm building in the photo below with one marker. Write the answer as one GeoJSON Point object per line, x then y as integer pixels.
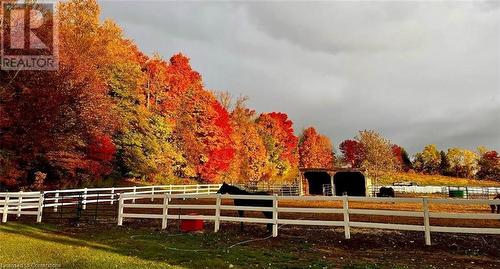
{"type": "Point", "coordinates": [314, 181]}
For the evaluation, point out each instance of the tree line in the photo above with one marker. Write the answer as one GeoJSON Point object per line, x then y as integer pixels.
{"type": "Point", "coordinates": [111, 111]}
{"type": "Point", "coordinates": [371, 151]}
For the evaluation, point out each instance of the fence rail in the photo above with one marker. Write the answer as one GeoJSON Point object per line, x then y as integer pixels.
{"type": "Point", "coordinates": [57, 198]}
{"type": "Point", "coordinates": [19, 203]}
{"type": "Point", "coordinates": [216, 205]}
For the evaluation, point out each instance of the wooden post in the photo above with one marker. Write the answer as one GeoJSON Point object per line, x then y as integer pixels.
{"type": "Point", "coordinates": [152, 193]}
{"type": "Point", "coordinates": [165, 212]}
{"type": "Point", "coordinates": [332, 187]}
{"type": "Point", "coordinates": [427, 227]}
{"type": "Point", "coordinates": [120, 211]}
{"type": "Point", "coordinates": [134, 191]}
{"type": "Point", "coordinates": [40, 208]}
{"type": "Point", "coordinates": [84, 202]}
{"type": "Point", "coordinates": [275, 215]}
{"type": "Point", "coordinates": [301, 191]}
{"type": "Point", "coordinates": [5, 209]}
{"type": "Point", "coordinates": [19, 203]}
{"type": "Point", "coordinates": [112, 195]}
{"type": "Point", "coordinates": [345, 207]}
{"type": "Point", "coordinates": [217, 213]}
{"type": "Point", "coordinates": [56, 201]}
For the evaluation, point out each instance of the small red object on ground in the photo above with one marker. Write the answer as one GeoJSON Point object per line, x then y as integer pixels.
{"type": "Point", "coordinates": [192, 225]}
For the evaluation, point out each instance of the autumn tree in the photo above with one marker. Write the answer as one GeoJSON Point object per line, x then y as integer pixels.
{"type": "Point", "coordinates": [462, 162]}
{"type": "Point", "coordinates": [202, 127]}
{"type": "Point", "coordinates": [489, 165]}
{"type": "Point", "coordinates": [352, 152]}
{"type": "Point", "coordinates": [428, 160]}
{"type": "Point", "coordinates": [378, 155]}
{"type": "Point", "coordinates": [55, 117]}
{"type": "Point", "coordinates": [315, 150]}
{"type": "Point", "coordinates": [250, 159]}
{"type": "Point", "coordinates": [276, 131]}
{"type": "Point", "coordinates": [397, 152]}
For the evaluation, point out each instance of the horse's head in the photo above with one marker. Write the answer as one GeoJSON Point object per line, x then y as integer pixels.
{"type": "Point", "coordinates": [225, 188]}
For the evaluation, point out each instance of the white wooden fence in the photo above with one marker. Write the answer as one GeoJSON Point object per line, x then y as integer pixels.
{"type": "Point", "coordinates": [469, 192]}
{"type": "Point", "coordinates": [217, 206]}
{"type": "Point", "coordinates": [21, 203]}
{"type": "Point", "coordinates": [57, 198]}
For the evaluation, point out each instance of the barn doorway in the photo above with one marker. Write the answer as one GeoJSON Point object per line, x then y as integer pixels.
{"type": "Point", "coordinates": [353, 183]}
{"type": "Point", "coordinates": [316, 180]}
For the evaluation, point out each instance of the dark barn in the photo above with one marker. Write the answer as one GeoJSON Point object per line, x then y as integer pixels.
{"type": "Point", "coordinates": [316, 180]}
{"type": "Point", "coordinates": [351, 182]}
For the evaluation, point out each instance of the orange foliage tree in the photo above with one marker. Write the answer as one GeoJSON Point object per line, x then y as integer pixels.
{"type": "Point", "coordinates": [250, 158]}
{"type": "Point", "coordinates": [202, 126]}
{"type": "Point", "coordinates": [280, 141]}
{"type": "Point", "coordinates": [315, 150]}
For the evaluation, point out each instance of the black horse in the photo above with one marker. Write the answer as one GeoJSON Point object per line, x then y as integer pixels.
{"type": "Point", "coordinates": [386, 192]}
{"type": "Point", "coordinates": [497, 206]}
{"type": "Point", "coordinates": [226, 188]}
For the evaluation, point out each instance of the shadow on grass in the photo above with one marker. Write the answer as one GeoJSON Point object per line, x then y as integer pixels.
{"type": "Point", "coordinates": [186, 250]}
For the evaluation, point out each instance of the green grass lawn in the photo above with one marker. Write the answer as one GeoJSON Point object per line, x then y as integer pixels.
{"type": "Point", "coordinates": [119, 247]}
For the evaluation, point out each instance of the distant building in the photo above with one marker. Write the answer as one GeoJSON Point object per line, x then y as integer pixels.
{"type": "Point", "coordinates": [350, 181]}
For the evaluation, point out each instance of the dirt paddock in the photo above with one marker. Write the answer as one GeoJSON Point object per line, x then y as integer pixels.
{"type": "Point", "coordinates": [386, 248]}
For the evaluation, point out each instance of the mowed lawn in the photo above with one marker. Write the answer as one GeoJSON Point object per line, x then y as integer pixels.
{"type": "Point", "coordinates": [119, 247]}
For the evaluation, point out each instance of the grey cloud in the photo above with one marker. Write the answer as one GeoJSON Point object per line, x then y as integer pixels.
{"type": "Point", "coordinates": [417, 72]}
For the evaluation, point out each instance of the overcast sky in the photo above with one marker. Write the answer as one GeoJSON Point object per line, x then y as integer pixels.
{"type": "Point", "coordinates": [417, 72]}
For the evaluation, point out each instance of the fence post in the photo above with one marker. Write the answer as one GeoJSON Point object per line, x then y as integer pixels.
{"type": "Point", "coordinates": [152, 193]}
{"type": "Point", "coordinates": [19, 204]}
{"type": "Point", "coordinates": [345, 207]}
{"type": "Point", "coordinates": [120, 210]}
{"type": "Point", "coordinates": [165, 212]}
{"type": "Point", "coordinates": [112, 195]}
{"type": "Point", "coordinates": [135, 190]}
{"type": "Point", "coordinates": [275, 215]}
{"type": "Point", "coordinates": [427, 227]}
{"type": "Point", "coordinates": [5, 209]}
{"type": "Point", "coordinates": [84, 202]}
{"type": "Point", "coordinates": [217, 213]}
{"type": "Point", "coordinates": [56, 201]}
{"type": "Point", "coordinates": [40, 208]}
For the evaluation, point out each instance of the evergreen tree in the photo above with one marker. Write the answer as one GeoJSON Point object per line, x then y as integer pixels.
{"type": "Point", "coordinates": [407, 164]}
{"type": "Point", "coordinates": [444, 167]}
